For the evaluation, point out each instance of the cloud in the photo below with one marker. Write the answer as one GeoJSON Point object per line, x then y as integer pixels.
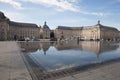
{"type": "Point", "coordinates": [92, 13]}
{"type": "Point", "coordinates": [59, 5]}
{"type": "Point", "coordinates": [64, 5]}
{"type": "Point", "coordinates": [14, 3]}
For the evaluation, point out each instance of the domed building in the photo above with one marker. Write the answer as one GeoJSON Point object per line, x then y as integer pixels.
{"type": "Point", "coordinates": [11, 30]}
{"type": "Point", "coordinates": [46, 31]}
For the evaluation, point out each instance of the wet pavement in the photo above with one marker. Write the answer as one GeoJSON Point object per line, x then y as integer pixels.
{"type": "Point", "coordinates": [12, 66]}
{"type": "Point", "coordinates": [107, 71]}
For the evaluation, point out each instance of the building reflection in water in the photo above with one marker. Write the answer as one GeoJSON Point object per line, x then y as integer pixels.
{"type": "Point", "coordinates": [96, 47]}
{"type": "Point", "coordinates": [61, 55]}
{"type": "Point", "coordinates": [34, 46]}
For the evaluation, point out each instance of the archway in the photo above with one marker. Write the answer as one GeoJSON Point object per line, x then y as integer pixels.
{"type": "Point", "coordinates": [52, 36]}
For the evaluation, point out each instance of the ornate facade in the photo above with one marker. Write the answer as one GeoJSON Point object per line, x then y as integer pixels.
{"type": "Point", "coordinates": [10, 30]}
{"type": "Point", "coordinates": [96, 32]}
{"type": "Point", "coordinates": [22, 30]}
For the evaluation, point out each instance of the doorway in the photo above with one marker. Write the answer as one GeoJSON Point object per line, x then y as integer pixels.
{"type": "Point", "coordinates": [52, 36]}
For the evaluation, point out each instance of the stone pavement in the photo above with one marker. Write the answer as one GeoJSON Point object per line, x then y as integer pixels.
{"type": "Point", "coordinates": [12, 66]}
{"type": "Point", "coordinates": [109, 71]}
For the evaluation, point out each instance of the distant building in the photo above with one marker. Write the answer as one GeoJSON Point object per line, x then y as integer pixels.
{"type": "Point", "coordinates": [95, 32]}
{"type": "Point", "coordinates": [10, 30]}
{"type": "Point", "coordinates": [14, 30]}
{"type": "Point", "coordinates": [22, 30]}
{"type": "Point", "coordinates": [46, 31]}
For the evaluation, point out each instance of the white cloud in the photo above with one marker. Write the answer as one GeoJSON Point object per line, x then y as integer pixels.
{"type": "Point", "coordinates": [14, 3]}
{"type": "Point", "coordinates": [59, 5]}
{"type": "Point", "coordinates": [64, 5]}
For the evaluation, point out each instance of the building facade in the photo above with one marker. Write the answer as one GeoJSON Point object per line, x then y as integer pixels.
{"type": "Point", "coordinates": [95, 32]}
{"type": "Point", "coordinates": [10, 30]}
{"type": "Point", "coordinates": [22, 30]}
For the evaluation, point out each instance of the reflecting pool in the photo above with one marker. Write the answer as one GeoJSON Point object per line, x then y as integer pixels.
{"type": "Point", "coordinates": [52, 56]}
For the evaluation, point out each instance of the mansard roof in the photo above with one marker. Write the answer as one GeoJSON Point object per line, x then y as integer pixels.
{"type": "Point", "coordinates": [87, 27]}
{"type": "Point", "coordinates": [106, 27]}
{"type": "Point", "coordinates": [2, 16]}
{"type": "Point", "coordinates": [19, 24]}
{"type": "Point", "coordinates": [68, 28]}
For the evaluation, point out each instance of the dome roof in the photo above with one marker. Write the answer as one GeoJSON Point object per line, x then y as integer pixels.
{"type": "Point", "coordinates": [2, 16]}
{"type": "Point", "coordinates": [45, 26]}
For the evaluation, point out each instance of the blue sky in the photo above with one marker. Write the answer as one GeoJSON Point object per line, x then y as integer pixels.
{"type": "Point", "coordinates": [63, 12]}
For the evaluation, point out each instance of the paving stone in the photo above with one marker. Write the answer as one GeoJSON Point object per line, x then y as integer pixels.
{"type": "Point", "coordinates": [12, 66]}
{"type": "Point", "coordinates": [105, 72]}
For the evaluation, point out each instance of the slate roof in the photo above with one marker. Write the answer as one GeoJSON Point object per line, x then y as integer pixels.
{"type": "Point", "coordinates": [2, 16]}
{"type": "Point", "coordinates": [106, 27]}
{"type": "Point", "coordinates": [69, 28]}
{"type": "Point", "coordinates": [19, 24]}
{"type": "Point", "coordinates": [85, 27]}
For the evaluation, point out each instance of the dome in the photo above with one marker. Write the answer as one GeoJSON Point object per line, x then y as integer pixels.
{"type": "Point", "coordinates": [2, 16]}
{"type": "Point", "coordinates": [45, 26]}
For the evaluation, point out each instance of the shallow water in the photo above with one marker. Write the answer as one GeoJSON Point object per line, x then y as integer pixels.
{"type": "Point", "coordinates": [62, 55]}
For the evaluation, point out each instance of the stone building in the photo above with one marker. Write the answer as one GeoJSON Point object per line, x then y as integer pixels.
{"type": "Point", "coordinates": [10, 30]}
{"type": "Point", "coordinates": [23, 30]}
{"type": "Point", "coordinates": [46, 31]}
{"type": "Point", "coordinates": [95, 32]}
{"type": "Point", "coordinates": [63, 32]}
{"type": "Point", "coordinates": [3, 27]}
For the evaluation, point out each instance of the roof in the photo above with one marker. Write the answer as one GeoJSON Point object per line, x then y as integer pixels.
{"type": "Point", "coordinates": [106, 27]}
{"type": "Point", "coordinates": [19, 24]}
{"type": "Point", "coordinates": [87, 27]}
{"type": "Point", "coordinates": [45, 26]}
{"type": "Point", "coordinates": [2, 16]}
{"type": "Point", "coordinates": [68, 28]}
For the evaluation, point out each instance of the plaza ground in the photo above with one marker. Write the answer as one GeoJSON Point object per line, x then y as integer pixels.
{"type": "Point", "coordinates": [12, 67]}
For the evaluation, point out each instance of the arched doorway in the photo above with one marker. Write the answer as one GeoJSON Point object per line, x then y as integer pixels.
{"type": "Point", "coordinates": [52, 36]}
